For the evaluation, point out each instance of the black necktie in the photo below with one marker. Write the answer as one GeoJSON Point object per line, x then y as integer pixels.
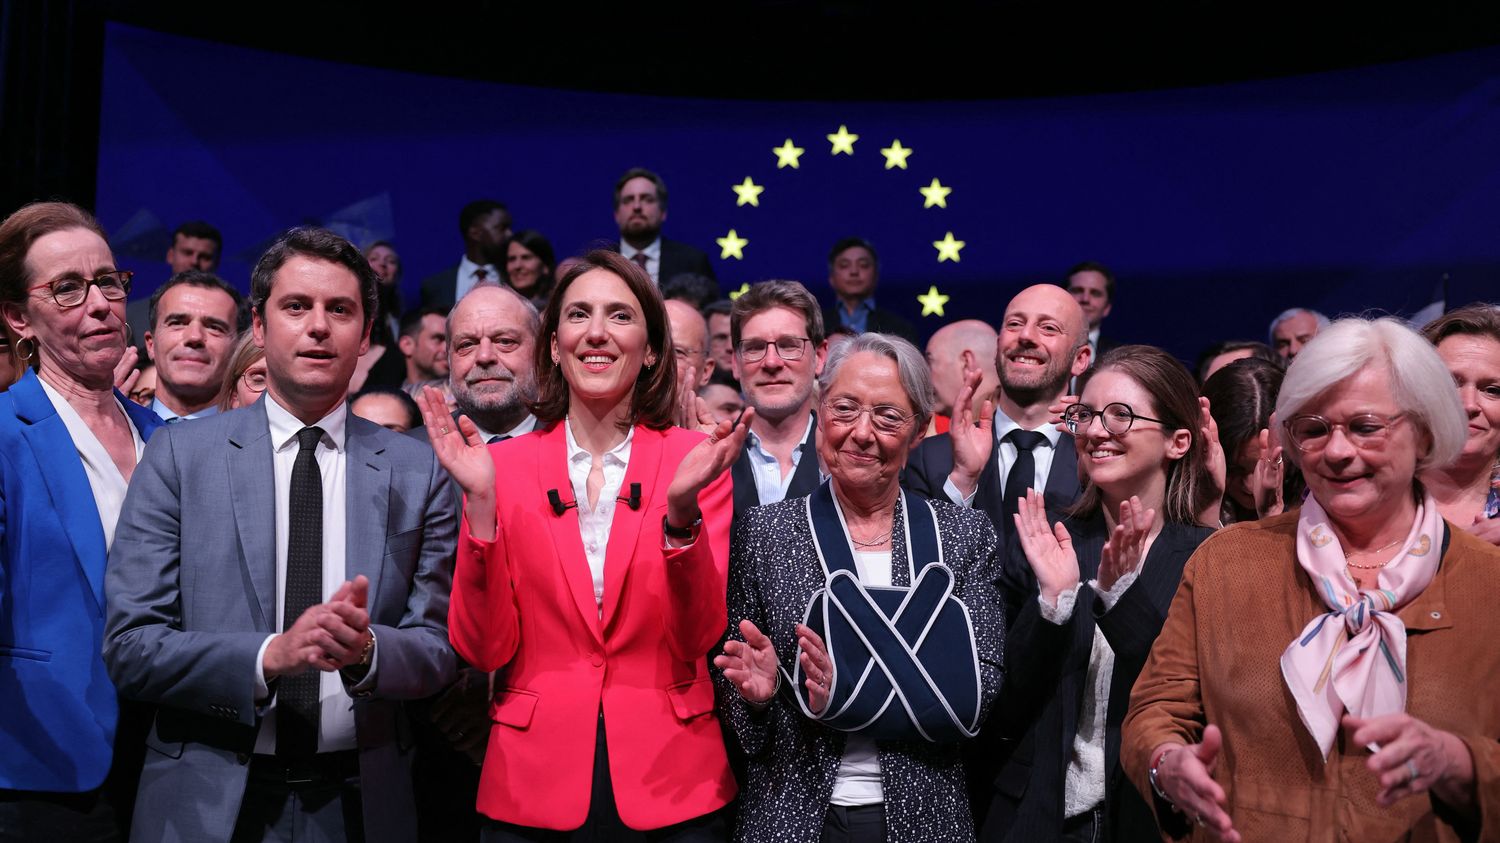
{"type": "Point", "coordinates": [297, 697]}
{"type": "Point", "coordinates": [1022, 474]}
{"type": "Point", "coordinates": [499, 437]}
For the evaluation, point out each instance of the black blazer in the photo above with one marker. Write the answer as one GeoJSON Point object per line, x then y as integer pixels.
{"type": "Point", "coordinates": [677, 258]}
{"type": "Point", "coordinates": [928, 467]}
{"type": "Point", "coordinates": [1035, 721]}
{"type": "Point", "coordinates": [439, 288]}
{"type": "Point", "coordinates": [805, 478]}
{"type": "Point", "coordinates": [880, 321]}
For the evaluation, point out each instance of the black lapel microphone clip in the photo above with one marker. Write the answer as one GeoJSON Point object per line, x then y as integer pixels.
{"type": "Point", "coordinates": [559, 506]}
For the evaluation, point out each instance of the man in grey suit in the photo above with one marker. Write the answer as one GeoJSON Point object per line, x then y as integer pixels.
{"type": "Point", "coordinates": [280, 583]}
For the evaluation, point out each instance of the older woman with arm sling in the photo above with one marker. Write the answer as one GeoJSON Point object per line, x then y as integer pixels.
{"type": "Point", "coordinates": [591, 575]}
{"type": "Point", "coordinates": [69, 443]}
{"type": "Point", "coordinates": [875, 614]}
{"type": "Point", "coordinates": [1323, 672]}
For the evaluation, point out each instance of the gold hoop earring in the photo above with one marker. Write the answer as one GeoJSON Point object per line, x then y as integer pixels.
{"type": "Point", "coordinates": [129, 335]}
{"type": "Point", "coordinates": [16, 349]}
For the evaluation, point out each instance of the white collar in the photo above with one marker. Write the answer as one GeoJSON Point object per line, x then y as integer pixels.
{"type": "Point", "coordinates": [284, 426]}
{"type": "Point", "coordinates": [527, 425]}
{"type": "Point", "coordinates": [1005, 424]}
{"type": "Point", "coordinates": [466, 269]}
{"type": "Point", "coordinates": [618, 454]}
{"type": "Point", "coordinates": [652, 251]}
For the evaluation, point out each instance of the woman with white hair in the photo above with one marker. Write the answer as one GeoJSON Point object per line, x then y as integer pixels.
{"type": "Point", "coordinates": [865, 628]}
{"type": "Point", "coordinates": [1326, 673]}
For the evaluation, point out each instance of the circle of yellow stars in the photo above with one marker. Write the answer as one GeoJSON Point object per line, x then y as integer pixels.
{"type": "Point", "coordinates": [788, 154]}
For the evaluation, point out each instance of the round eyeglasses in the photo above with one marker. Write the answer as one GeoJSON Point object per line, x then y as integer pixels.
{"type": "Point", "coordinates": [884, 417]}
{"type": "Point", "coordinates": [1116, 417]}
{"type": "Point", "coordinates": [1311, 432]}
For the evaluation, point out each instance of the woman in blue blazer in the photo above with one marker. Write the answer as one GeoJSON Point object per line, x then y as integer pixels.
{"type": "Point", "coordinates": [68, 445]}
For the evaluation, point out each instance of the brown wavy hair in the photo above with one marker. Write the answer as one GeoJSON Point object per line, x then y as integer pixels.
{"type": "Point", "coordinates": [654, 399]}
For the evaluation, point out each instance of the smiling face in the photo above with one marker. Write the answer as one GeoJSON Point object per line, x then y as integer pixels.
{"type": "Point", "coordinates": [777, 388]}
{"type": "Point", "coordinates": [191, 343]}
{"type": "Point", "coordinates": [490, 357]}
{"type": "Point", "coordinates": [858, 456]}
{"type": "Point", "coordinates": [386, 263]}
{"type": "Point", "coordinates": [1474, 361]}
{"type": "Point", "coordinates": [1362, 488]}
{"type": "Point", "coordinates": [1134, 462]}
{"type": "Point", "coordinates": [75, 344]}
{"type": "Point", "coordinates": [522, 267]}
{"type": "Point", "coordinates": [313, 332]}
{"type": "Point", "coordinates": [1039, 349]}
{"type": "Point", "coordinates": [601, 342]}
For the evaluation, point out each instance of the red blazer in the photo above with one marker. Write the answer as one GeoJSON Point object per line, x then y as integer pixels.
{"type": "Point", "coordinates": [524, 604]}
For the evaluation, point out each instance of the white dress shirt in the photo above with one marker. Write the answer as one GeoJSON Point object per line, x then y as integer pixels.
{"type": "Point", "coordinates": [1005, 452]}
{"type": "Point", "coordinates": [653, 257]}
{"type": "Point", "coordinates": [1084, 780]}
{"type": "Point", "coordinates": [526, 425]}
{"type": "Point", "coordinates": [594, 524]}
{"type": "Point", "coordinates": [166, 414]}
{"type": "Point", "coordinates": [467, 278]}
{"type": "Point", "coordinates": [336, 719]}
{"type": "Point", "coordinates": [770, 484]}
{"type": "Point", "coordinates": [105, 479]}
{"type": "Point", "coordinates": [858, 779]}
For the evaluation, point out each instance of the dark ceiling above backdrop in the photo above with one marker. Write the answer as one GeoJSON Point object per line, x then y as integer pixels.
{"type": "Point", "coordinates": [50, 52]}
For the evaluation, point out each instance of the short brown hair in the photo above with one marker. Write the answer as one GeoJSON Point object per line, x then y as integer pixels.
{"type": "Point", "coordinates": [26, 226]}
{"type": "Point", "coordinates": [768, 294]}
{"type": "Point", "coordinates": [1477, 319]}
{"type": "Point", "coordinates": [317, 244]}
{"type": "Point", "coordinates": [654, 400]}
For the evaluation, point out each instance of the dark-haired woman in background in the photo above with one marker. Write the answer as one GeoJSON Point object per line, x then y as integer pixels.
{"type": "Point", "coordinates": [591, 576]}
{"type": "Point", "coordinates": [1258, 481]}
{"type": "Point", "coordinates": [529, 262]}
{"type": "Point", "coordinates": [1088, 595]}
{"type": "Point", "coordinates": [1467, 490]}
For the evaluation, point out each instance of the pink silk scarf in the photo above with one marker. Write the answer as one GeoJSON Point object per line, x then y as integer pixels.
{"type": "Point", "coordinates": [1354, 657]}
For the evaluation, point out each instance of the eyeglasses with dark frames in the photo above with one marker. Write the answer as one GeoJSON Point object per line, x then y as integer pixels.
{"type": "Point", "coordinates": [70, 292]}
{"type": "Point", "coordinates": [1117, 417]}
{"type": "Point", "coordinates": [1311, 432]}
{"type": "Point", "coordinates": [787, 348]}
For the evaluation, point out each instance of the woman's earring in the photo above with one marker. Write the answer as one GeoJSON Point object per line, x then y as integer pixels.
{"type": "Point", "coordinates": [25, 358]}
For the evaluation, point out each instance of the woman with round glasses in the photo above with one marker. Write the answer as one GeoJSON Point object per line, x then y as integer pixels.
{"type": "Point", "coordinates": [1089, 592]}
{"type": "Point", "coordinates": [1328, 673]}
{"type": "Point", "coordinates": [69, 442]}
{"type": "Point", "coordinates": [245, 376]}
{"type": "Point", "coordinates": [1468, 489]}
{"type": "Point", "coordinates": [865, 631]}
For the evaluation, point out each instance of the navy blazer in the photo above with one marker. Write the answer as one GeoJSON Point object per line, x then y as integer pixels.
{"type": "Point", "coordinates": [879, 321]}
{"type": "Point", "coordinates": [677, 259]}
{"type": "Point", "coordinates": [928, 467]}
{"type": "Point", "coordinates": [1036, 718]}
{"type": "Point", "coordinates": [805, 477]}
{"type": "Point", "coordinates": [58, 709]}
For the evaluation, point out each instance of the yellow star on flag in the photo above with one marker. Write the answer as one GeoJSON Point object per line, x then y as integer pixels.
{"type": "Point", "coordinates": [842, 141]}
{"type": "Point", "coordinates": [896, 155]}
{"type": "Point", "coordinates": [947, 247]}
{"type": "Point", "coordinates": [731, 245]}
{"type": "Point", "coordinates": [749, 193]}
{"type": "Point", "coordinates": [936, 194]}
{"type": "Point", "coordinates": [787, 155]}
{"type": "Point", "coordinates": [932, 301]}
{"type": "Point", "coordinates": [734, 294]}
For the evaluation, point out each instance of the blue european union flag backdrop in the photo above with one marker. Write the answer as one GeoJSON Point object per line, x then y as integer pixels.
{"type": "Point", "coordinates": [1217, 207]}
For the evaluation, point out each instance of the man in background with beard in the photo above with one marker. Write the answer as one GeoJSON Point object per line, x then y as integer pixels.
{"type": "Point", "coordinates": [640, 210]}
{"type": "Point", "coordinates": [492, 339]}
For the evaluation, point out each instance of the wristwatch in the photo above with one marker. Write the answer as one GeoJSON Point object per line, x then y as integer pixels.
{"type": "Point", "coordinates": [680, 533]}
{"type": "Point", "coordinates": [368, 652]}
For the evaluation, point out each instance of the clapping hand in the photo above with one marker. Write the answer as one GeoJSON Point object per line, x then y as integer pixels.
{"type": "Point", "coordinates": [1410, 758]}
{"type": "Point", "coordinates": [1185, 775]}
{"type": "Point", "coordinates": [816, 666]}
{"type": "Point", "coordinates": [707, 460]}
{"type": "Point", "coordinates": [465, 456]}
{"type": "Point", "coordinates": [1056, 409]}
{"type": "Point", "coordinates": [1270, 471]}
{"type": "Point", "coordinates": [1126, 548]}
{"type": "Point", "coordinates": [750, 665]}
{"type": "Point", "coordinates": [972, 443]}
{"type": "Point", "coordinates": [1048, 548]}
{"type": "Point", "coordinates": [126, 374]}
{"type": "Point", "coordinates": [692, 412]}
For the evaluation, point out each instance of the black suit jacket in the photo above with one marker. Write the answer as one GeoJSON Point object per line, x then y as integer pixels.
{"type": "Point", "coordinates": [677, 258]}
{"type": "Point", "coordinates": [928, 467]}
{"type": "Point", "coordinates": [805, 478]}
{"type": "Point", "coordinates": [439, 288]}
{"type": "Point", "coordinates": [879, 321]}
{"type": "Point", "coordinates": [1030, 734]}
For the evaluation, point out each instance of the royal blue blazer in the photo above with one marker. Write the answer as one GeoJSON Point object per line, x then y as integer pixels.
{"type": "Point", "coordinates": [57, 706]}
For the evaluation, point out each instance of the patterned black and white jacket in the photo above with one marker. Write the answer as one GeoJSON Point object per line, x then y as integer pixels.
{"type": "Point", "coordinates": [792, 760]}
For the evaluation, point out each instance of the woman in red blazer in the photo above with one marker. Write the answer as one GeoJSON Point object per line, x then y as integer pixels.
{"type": "Point", "coordinates": [591, 574]}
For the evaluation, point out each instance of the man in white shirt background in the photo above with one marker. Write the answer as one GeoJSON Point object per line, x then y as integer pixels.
{"type": "Point", "coordinates": [194, 326]}
{"type": "Point", "coordinates": [484, 225]}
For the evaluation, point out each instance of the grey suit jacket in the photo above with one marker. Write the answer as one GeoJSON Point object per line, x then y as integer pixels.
{"type": "Point", "coordinates": [191, 591]}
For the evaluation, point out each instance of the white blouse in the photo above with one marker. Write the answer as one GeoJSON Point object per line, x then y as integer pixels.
{"type": "Point", "coordinates": [594, 524]}
{"type": "Point", "coordinates": [105, 479]}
